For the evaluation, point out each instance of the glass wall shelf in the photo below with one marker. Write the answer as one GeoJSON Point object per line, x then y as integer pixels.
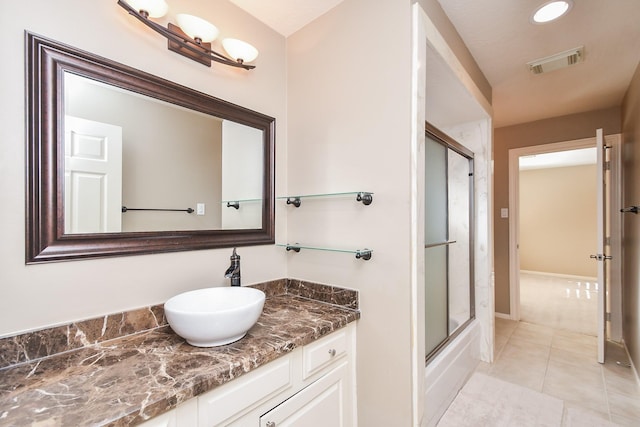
{"type": "Point", "coordinates": [364, 254]}
{"type": "Point", "coordinates": [365, 197]}
{"type": "Point", "coordinates": [236, 203]}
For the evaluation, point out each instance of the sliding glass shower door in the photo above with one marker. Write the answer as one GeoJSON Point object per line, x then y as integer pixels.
{"type": "Point", "coordinates": [449, 301]}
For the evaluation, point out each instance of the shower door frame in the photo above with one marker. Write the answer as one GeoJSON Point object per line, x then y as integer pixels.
{"type": "Point", "coordinates": [450, 143]}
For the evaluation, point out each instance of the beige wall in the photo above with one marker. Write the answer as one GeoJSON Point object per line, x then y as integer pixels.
{"type": "Point", "coordinates": [631, 227]}
{"type": "Point", "coordinates": [35, 296]}
{"type": "Point", "coordinates": [347, 123]}
{"type": "Point", "coordinates": [557, 220]}
{"type": "Point", "coordinates": [558, 129]}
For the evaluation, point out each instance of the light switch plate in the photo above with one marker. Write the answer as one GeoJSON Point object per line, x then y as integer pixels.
{"type": "Point", "coordinates": [504, 213]}
{"type": "Point", "coordinates": [200, 209]}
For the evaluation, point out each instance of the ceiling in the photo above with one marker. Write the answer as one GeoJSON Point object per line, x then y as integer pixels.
{"type": "Point", "coordinates": [286, 16]}
{"type": "Point", "coordinates": [502, 40]}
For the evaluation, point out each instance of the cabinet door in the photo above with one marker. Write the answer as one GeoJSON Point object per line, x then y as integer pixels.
{"type": "Point", "coordinates": [321, 404]}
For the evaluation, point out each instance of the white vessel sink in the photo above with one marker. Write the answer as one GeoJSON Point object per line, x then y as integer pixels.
{"type": "Point", "coordinates": [214, 316]}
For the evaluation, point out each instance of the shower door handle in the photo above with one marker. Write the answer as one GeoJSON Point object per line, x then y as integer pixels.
{"type": "Point", "coordinates": [433, 245]}
{"type": "Point", "coordinates": [600, 257]}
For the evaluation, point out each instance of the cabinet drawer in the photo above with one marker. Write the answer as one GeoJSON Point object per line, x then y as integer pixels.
{"type": "Point", "coordinates": [323, 352]}
{"type": "Point", "coordinates": [241, 394]}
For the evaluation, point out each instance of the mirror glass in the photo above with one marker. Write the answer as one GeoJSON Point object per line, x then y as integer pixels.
{"type": "Point", "coordinates": [135, 163]}
{"type": "Point", "coordinates": [122, 162]}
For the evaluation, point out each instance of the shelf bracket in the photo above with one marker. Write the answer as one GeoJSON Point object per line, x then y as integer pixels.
{"type": "Point", "coordinates": [295, 201]}
{"type": "Point", "coordinates": [365, 198]}
{"type": "Point", "coordinates": [633, 209]}
{"type": "Point", "coordinates": [235, 205]}
{"type": "Point", "coordinates": [363, 254]}
{"type": "Point", "coordinates": [295, 249]}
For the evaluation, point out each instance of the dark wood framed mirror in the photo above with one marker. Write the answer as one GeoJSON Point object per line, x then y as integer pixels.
{"type": "Point", "coordinates": [72, 214]}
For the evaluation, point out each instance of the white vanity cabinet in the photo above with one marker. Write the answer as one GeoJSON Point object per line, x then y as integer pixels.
{"type": "Point", "coordinates": [312, 386]}
{"type": "Point", "coordinates": [320, 404]}
{"type": "Point", "coordinates": [186, 414]}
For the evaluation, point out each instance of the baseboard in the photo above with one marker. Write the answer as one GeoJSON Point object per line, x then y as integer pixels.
{"type": "Point", "coordinates": [502, 316]}
{"type": "Point", "coordinates": [633, 367]}
{"type": "Point", "coordinates": [564, 276]}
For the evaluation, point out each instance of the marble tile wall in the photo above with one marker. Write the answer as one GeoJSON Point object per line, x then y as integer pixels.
{"type": "Point", "coordinates": [476, 136]}
{"type": "Point", "coordinates": [36, 345]}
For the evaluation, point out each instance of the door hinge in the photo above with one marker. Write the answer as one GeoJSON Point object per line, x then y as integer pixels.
{"type": "Point", "coordinates": [607, 316]}
{"type": "Point", "coordinates": [607, 166]}
{"type": "Point", "coordinates": [607, 241]}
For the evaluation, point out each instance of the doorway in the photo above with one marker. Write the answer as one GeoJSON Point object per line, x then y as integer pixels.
{"type": "Point", "coordinates": [557, 213]}
{"type": "Point", "coordinates": [585, 286]}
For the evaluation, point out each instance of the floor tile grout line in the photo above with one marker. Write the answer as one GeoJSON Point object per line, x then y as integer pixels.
{"type": "Point", "coordinates": [607, 388]}
{"type": "Point", "coordinates": [558, 334]}
{"type": "Point", "coordinates": [546, 369]}
{"type": "Point", "coordinates": [606, 392]}
{"type": "Point", "coordinates": [503, 347]}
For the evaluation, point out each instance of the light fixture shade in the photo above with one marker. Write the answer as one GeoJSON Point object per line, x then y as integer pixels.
{"type": "Point", "coordinates": [239, 50]}
{"type": "Point", "coordinates": [155, 8]}
{"type": "Point", "coordinates": [197, 28]}
{"type": "Point", "coordinates": [550, 11]}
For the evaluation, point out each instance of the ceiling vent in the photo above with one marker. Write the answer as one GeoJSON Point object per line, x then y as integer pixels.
{"type": "Point", "coordinates": [557, 61]}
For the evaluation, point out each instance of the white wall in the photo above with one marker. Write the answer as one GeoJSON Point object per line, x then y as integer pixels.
{"type": "Point", "coordinates": [352, 127]}
{"type": "Point", "coordinates": [349, 75]}
{"type": "Point", "coordinates": [341, 94]}
{"type": "Point", "coordinates": [35, 296]}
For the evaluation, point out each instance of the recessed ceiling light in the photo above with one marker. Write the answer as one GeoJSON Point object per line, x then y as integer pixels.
{"type": "Point", "coordinates": [550, 11]}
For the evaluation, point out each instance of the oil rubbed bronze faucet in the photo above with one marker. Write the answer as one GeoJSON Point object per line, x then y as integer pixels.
{"type": "Point", "coordinates": [233, 271]}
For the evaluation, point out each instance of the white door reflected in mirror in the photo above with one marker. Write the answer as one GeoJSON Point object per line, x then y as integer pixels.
{"type": "Point", "coordinates": [93, 176]}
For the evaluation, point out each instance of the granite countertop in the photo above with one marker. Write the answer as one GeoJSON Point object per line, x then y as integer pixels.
{"type": "Point", "coordinates": [127, 380]}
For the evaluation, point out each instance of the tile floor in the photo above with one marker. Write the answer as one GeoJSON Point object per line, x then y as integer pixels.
{"type": "Point", "coordinates": [554, 353]}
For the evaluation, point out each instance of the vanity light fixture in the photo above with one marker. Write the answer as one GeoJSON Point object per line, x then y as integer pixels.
{"type": "Point", "coordinates": [550, 11]}
{"type": "Point", "coordinates": [192, 36]}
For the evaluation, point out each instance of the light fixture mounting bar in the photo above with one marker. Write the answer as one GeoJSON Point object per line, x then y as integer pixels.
{"type": "Point", "coordinates": [200, 56]}
{"type": "Point", "coordinates": [183, 44]}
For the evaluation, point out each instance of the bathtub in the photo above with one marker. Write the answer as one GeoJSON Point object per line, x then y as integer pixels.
{"type": "Point", "coordinates": [448, 372]}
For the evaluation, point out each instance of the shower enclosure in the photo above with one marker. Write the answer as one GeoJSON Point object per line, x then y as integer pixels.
{"type": "Point", "coordinates": [449, 297]}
